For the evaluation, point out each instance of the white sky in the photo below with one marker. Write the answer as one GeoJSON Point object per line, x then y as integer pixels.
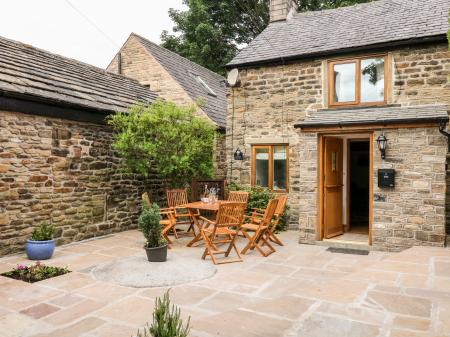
{"type": "Point", "coordinates": [55, 26]}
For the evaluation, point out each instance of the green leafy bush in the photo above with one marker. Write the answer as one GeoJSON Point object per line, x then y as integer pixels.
{"type": "Point", "coordinates": [148, 223]}
{"type": "Point", "coordinates": [166, 138]}
{"type": "Point", "coordinates": [43, 232]}
{"type": "Point", "coordinates": [167, 321]}
{"type": "Point", "coordinates": [259, 198]}
{"type": "Point", "coordinates": [35, 273]}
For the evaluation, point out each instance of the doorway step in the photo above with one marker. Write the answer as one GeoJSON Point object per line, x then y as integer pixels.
{"type": "Point", "coordinates": [335, 243]}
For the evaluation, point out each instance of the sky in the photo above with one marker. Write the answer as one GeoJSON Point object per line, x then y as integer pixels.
{"type": "Point", "coordinates": [58, 27]}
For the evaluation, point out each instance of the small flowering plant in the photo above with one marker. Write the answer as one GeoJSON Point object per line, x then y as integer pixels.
{"type": "Point", "coordinates": [35, 272]}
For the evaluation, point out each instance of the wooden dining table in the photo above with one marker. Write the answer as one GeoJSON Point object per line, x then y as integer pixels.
{"type": "Point", "coordinates": [194, 209]}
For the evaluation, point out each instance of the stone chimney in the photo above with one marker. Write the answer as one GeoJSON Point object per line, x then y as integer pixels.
{"type": "Point", "coordinates": [281, 10]}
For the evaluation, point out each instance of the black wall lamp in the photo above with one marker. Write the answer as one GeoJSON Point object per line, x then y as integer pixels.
{"type": "Point", "coordinates": [382, 143]}
{"type": "Point", "coordinates": [442, 130]}
{"type": "Point", "coordinates": [238, 155]}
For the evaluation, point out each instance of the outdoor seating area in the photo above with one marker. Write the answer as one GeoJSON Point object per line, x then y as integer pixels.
{"type": "Point", "coordinates": [217, 224]}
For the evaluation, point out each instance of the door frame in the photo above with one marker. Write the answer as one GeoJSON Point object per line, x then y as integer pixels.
{"type": "Point", "coordinates": [321, 175]}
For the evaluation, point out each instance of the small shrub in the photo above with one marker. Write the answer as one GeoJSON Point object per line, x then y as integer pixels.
{"type": "Point", "coordinates": [43, 232]}
{"type": "Point", "coordinates": [259, 198]}
{"type": "Point", "coordinates": [148, 223]}
{"type": "Point", "coordinates": [167, 321]}
{"type": "Point", "coordinates": [35, 273]}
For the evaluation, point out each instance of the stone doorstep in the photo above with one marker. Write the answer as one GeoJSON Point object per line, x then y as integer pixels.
{"type": "Point", "coordinates": [345, 244]}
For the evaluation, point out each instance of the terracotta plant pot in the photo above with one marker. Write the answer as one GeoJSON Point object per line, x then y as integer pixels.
{"type": "Point", "coordinates": [158, 254]}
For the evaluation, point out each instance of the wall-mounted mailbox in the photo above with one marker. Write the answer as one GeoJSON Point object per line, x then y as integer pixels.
{"type": "Point", "coordinates": [386, 177]}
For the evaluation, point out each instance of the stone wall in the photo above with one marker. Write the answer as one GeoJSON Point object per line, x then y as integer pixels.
{"type": "Point", "coordinates": [65, 173]}
{"type": "Point", "coordinates": [139, 64]}
{"type": "Point", "coordinates": [412, 213]}
{"type": "Point", "coordinates": [271, 99]}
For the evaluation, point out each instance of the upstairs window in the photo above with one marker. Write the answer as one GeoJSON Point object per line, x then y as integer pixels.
{"type": "Point", "coordinates": [359, 81]}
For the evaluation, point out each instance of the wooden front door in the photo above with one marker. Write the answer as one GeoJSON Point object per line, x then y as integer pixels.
{"type": "Point", "coordinates": [332, 212]}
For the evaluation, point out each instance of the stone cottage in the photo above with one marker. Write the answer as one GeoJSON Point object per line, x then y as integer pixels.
{"type": "Point", "coordinates": [342, 109]}
{"type": "Point", "coordinates": [56, 163]}
{"type": "Point", "coordinates": [177, 79]}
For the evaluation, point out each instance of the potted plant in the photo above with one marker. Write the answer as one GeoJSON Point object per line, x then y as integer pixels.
{"type": "Point", "coordinates": [41, 245]}
{"type": "Point", "coordinates": [155, 245]}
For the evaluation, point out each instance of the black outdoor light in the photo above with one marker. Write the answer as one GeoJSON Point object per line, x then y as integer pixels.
{"type": "Point", "coordinates": [238, 155]}
{"type": "Point", "coordinates": [382, 142]}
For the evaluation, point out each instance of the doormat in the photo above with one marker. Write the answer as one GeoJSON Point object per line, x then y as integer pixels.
{"type": "Point", "coordinates": [348, 251]}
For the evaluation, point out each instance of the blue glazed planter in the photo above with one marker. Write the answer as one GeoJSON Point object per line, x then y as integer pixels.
{"type": "Point", "coordinates": [40, 250]}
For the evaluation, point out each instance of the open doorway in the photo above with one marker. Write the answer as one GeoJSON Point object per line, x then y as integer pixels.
{"type": "Point", "coordinates": [345, 185]}
{"type": "Point", "coordinates": [358, 186]}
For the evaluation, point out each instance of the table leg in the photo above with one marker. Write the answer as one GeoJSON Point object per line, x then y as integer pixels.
{"type": "Point", "coordinates": [197, 223]}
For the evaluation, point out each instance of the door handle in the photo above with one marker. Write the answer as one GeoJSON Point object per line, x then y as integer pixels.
{"type": "Point", "coordinates": [333, 186]}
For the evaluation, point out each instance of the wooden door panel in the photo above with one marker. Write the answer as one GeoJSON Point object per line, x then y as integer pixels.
{"type": "Point", "coordinates": [333, 184]}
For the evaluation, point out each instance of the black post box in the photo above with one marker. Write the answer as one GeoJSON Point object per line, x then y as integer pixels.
{"type": "Point", "coordinates": [386, 177]}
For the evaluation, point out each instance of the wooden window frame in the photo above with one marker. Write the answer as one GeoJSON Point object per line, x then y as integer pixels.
{"type": "Point", "coordinates": [357, 62]}
{"type": "Point", "coordinates": [270, 178]}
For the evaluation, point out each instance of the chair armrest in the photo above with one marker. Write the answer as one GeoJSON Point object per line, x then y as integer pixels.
{"type": "Point", "coordinates": [206, 219]}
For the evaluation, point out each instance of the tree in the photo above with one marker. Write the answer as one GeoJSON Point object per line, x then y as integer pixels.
{"type": "Point", "coordinates": [211, 32]}
{"type": "Point", "coordinates": [166, 138]}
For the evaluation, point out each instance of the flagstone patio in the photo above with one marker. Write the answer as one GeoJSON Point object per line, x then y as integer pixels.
{"type": "Point", "coordinates": [300, 290]}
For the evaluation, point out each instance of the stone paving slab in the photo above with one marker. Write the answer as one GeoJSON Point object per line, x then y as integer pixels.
{"type": "Point", "coordinates": [301, 290]}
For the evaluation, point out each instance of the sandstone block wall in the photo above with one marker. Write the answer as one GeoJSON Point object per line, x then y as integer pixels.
{"type": "Point", "coordinates": [65, 173]}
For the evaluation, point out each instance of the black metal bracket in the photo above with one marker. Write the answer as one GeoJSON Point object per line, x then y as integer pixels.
{"type": "Point", "coordinates": [442, 130]}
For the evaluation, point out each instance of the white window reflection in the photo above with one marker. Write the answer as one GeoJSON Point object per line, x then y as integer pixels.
{"type": "Point", "coordinates": [344, 82]}
{"type": "Point", "coordinates": [372, 80]}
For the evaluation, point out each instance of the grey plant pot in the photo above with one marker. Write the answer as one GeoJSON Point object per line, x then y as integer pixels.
{"type": "Point", "coordinates": [158, 254]}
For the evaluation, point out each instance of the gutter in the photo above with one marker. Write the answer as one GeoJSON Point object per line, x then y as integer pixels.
{"type": "Point", "coordinates": [337, 52]}
{"type": "Point", "coordinates": [439, 120]}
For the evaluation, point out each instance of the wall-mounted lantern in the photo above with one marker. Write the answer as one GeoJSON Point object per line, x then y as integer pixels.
{"type": "Point", "coordinates": [238, 155]}
{"type": "Point", "coordinates": [382, 143]}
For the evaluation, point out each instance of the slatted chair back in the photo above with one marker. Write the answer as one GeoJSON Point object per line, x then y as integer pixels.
{"type": "Point", "coordinates": [269, 212]}
{"type": "Point", "coordinates": [282, 199]}
{"type": "Point", "coordinates": [176, 197]}
{"type": "Point", "coordinates": [230, 214]}
{"type": "Point", "coordinates": [146, 200]}
{"type": "Point", "coordinates": [238, 196]}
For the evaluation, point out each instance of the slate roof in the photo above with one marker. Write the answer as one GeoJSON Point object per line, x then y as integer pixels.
{"type": "Point", "coordinates": [184, 72]}
{"type": "Point", "coordinates": [34, 74]}
{"type": "Point", "coordinates": [375, 115]}
{"type": "Point", "coordinates": [336, 30]}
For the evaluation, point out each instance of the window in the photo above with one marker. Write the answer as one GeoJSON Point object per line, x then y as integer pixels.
{"type": "Point", "coordinates": [270, 166]}
{"type": "Point", "coordinates": [360, 81]}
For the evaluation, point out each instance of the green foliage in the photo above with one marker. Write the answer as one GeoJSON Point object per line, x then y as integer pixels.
{"type": "Point", "coordinates": [167, 321]}
{"type": "Point", "coordinates": [211, 32]}
{"type": "Point", "coordinates": [167, 138]}
{"type": "Point", "coordinates": [259, 197]}
{"type": "Point", "coordinates": [43, 232]}
{"type": "Point", "coordinates": [35, 273]}
{"type": "Point", "coordinates": [317, 5]}
{"type": "Point", "coordinates": [148, 223]}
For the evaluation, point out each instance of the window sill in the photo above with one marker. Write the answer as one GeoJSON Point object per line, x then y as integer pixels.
{"type": "Point", "coordinates": [359, 107]}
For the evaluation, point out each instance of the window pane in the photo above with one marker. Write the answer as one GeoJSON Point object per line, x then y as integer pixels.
{"type": "Point", "coordinates": [344, 82]}
{"type": "Point", "coordinates": [279, 167]}
{"type": "Point", "coordinates": [262, 167]}
{"type": "Point", "coordinates": [372, 80]}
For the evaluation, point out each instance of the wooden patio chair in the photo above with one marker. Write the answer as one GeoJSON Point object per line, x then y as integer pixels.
{"type": "Point", "coordinates": [282, 199]}
{"type": "Point", "coordinates": [258, 224]}
{"type": "Point", "coordinates": [167, 221]}
{"type": "Point", "coordinates": [238, 196]}
{"type": "Point", "coordinates": [176, 199]}
{"type": "Point", "coordinates": [223, 231]}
